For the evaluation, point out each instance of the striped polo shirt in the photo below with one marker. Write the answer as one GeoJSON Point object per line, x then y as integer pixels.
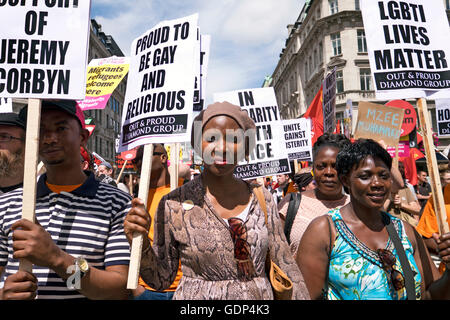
{"type": "Point", "coordinates": [86, 222]}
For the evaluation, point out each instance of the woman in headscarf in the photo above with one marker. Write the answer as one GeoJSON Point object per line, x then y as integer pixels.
{"type": "Point", "coordinates": [359, 252]}
{"type": "Point", "coordinates": [214, 224]}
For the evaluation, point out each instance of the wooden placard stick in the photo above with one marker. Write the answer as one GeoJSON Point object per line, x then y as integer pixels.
{"type": "Point", "coordinates": [174, 165]}
{"type": "Point", "coordinates": [121, 171]}
{"type": "Point", "coordinates": [30, 167]}
{"type": "Point", "coordinates": [296, 166]}
{"type": "Point", "coordinates": [433, 171]}
{"type": "Point", "coordinates": [130, 183]}
{"type": "Point", "coordinates": [136, 246]}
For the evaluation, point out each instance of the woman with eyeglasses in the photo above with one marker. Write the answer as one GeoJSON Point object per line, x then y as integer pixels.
{"type": "Point", "coordinates": [359, 252]}
{"type": "Point", "coordinates": [214, 225]}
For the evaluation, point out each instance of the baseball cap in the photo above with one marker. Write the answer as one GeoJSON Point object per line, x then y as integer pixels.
{"type": "Point", "coordinates": [69, 106]}
{"type": "Point", "coordinates": [12, 119]}
{"type": "Point", "coordinates": [106, 164]}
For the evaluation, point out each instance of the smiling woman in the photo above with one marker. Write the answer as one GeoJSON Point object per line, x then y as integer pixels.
{"type": "Point", "coordinates": [359, 251]}
{"type": "Point", "coordinates": [215, 225]}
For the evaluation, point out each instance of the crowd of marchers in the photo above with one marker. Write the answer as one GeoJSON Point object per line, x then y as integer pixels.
{"type": "Point", "coordinates": [349, 226]}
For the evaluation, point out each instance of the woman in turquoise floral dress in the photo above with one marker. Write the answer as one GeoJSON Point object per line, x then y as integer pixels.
{"type": "Point", "coordinates": [349, 255]}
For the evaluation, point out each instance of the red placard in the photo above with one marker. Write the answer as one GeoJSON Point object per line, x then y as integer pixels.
{"type": "Point", "coordinates": [129, 155]}
{"type": "Point", "coordinates": [410, 117]}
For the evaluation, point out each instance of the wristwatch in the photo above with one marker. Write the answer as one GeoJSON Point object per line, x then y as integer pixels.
{"type": "Point", "coordinates": [82, 266]}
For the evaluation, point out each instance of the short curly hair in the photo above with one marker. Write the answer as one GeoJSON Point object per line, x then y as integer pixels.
{"type": "Point", "coordinates": [334, 140]}
{"type": "Point", "coordinates": [358, 151]}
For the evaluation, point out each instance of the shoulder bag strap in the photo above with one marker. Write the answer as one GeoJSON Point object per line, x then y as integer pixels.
{"type": "Point", "coordinates": [294, 203]}
{"type": "Point", "coordinates": [406, 267]}
{"type": "Point", "coordinates": [262, 202]}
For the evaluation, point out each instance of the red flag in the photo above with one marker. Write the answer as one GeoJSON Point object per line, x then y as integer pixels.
{"type": "Point", "coordinates": [315, 113]}
{"type": "Point", "coordinates": [338, 127]}
{"type": "Point", "coordinates": [410, 165]}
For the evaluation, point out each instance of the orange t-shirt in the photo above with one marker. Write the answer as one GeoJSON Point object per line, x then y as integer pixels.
{"type": "Point", "coordinates": [428, 221]}
{"type": "Point", "coordinates": [154, 197]}
{"type": "Point", "coordinates": [58, 189]}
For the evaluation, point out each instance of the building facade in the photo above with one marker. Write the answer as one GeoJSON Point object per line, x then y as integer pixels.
{"type": "Point", "coordinates": [107, 121]}
{"type": "Point", "coordinates": [328, 34]}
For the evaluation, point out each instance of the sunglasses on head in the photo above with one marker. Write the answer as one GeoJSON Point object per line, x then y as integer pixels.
{"type": "Point", "coordinates": [238, 231]}
{"type": "Point", "coordinates": [388, 262]}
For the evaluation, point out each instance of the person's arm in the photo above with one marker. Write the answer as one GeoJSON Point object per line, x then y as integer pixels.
{"type": "Point", "coordinates": [412, 208]}
{"type": "Point", "coordinates": [160, 261]}
{"type": "Point", "coordinates": [33, 243]}
{"type": "Point", "coordinates": [435, 286]}
{"type": "Point", "coordinates": [431, 245]}
{"type": "Point", "coordinates": [312, 255]}
{"type": "Point", "coordinates": [281, 253]}
{"type": "Point", "coordinates": [422, 197]}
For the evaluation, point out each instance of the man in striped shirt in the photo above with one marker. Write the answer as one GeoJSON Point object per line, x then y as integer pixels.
{"type": "Point", "coordinates": [77, 245]}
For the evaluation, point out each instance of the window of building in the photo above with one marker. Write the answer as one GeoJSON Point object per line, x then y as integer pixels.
{"type": "Point", "coordinates": [447, 4]}
{"type": "Point", "coordinates": [306, 70]}
{"type": "Point", "coordinates": [357, 5]}
{"type": "Point", "coordinates": [362, 44]}
{"type": "Point", "coordinates": [311, 66]}
{"type": "Point", "coordinates": [365, 79]}
{"type": "Point", "coordinates": [320, 53]}
{"type": "Point", "coordinates": [336, 43]}
{"type": "Point", "coordinates": [339, 81]}
{"type": "Point", "coordinates": [333, 6]}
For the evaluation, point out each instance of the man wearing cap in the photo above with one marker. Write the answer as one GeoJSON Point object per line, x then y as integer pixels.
{"type": "Point", "coordinates": [77, 245]}
{"type": "Point", "coordinates": [105, 172]}
{"type": "Point", "coordinates": [12, 151]}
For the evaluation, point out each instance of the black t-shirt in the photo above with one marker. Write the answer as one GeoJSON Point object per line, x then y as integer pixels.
{"type": "Point", "coordinates": [424, 189]}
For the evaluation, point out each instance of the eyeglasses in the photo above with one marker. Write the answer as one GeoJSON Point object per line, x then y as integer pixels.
{"type": "Point", "coordinates": [238, 231]}
{"type": "Point", "coordinates": [8, 138]}
{"type": "Point", "coordinates": [388, 261]}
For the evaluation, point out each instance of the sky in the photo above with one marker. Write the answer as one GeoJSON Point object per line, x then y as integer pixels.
{"type": "Point", "coordinates": [247, 36]}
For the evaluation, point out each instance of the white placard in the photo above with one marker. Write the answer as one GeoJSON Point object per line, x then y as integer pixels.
{"type": "Point", "coordinates": [297, 138]}
{"type": "Point", "coordinates": [270, 156]}
{"type": "Point", "coordinates": [160, 88]}
{"type": "Point", "coordinates": [198, 72]}
{"type": "Point", "coordinates": [43, 49]}
{"type": "Point", "coordinates": [409, 48]}
{"type": "Point", "coordinates": [443, 117]}
{"type": "Point", "coordinates": [6, 105]}
{"type": "Point", "coordinates": [329, 102]}
{"type": "Point", "coordinates": [205, 45]}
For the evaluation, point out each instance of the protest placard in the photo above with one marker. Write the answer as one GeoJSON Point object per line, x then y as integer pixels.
{"type": "Point", "coordinates": [6, 105]}
{"type": "Point", "coordinates": [270, 156]}
{"type": "Point", "coordinates": [205, 44]}
{"type": "Point", "coordinates": [329, 102]}
{"type": "Point", "coordinates": [103, 77]}
{"type": "Point", "coordinates": [297, 138]}
{"type": "Point", "coordinates": [409, 48]}
{"type": "Point", "coordinates": [43, 53]}
{"type": "Point", "coordinates": [348, 119]}
{"type": "Point", "coordinates": [409, 118]}
{"type": "Point", "coordinates": [403, 149]}
{"type": "Point", "coordinates": [197, 68]}
{"type": "Point", "coordinates": [379, 122]}
{"type": "Point", "coordinates": [443, 117]}
{"type": "Point", "coordinates": [43, 49]}
{"type": "Point", "coordinates": [159, 99]}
